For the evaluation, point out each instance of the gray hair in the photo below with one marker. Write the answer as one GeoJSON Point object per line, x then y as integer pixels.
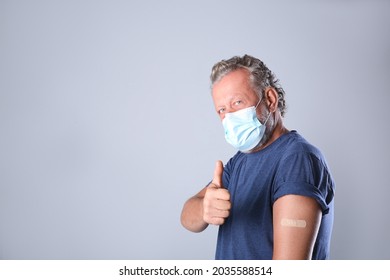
{"type": "Point", "coordinates": [260, 76]}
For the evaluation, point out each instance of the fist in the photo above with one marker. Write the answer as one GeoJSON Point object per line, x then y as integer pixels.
{"type": "Point", "coordinates": [216, 202]}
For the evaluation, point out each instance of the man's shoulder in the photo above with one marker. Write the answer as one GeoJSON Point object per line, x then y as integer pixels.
{"type": "Point", "coordinates": [296, 143]}
{"type": "Point", "coordinates": [298, 148]}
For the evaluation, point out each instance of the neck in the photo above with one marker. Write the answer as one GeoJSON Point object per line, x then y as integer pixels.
{"type": "Point", "coordinates": [277, 131]}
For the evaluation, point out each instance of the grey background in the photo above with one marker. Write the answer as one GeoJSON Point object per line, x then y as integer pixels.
{"type": "Point", "coordinates": [107, 124]}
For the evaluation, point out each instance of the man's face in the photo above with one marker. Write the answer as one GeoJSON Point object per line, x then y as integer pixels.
{"type": "Point", "coordinates": [233, 92]}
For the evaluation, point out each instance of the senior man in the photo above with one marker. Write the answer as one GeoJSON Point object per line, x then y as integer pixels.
{"type": "Point", "coordinates": [274, 198]}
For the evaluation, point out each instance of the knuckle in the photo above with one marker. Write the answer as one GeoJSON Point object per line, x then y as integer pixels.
{"type": "Point", "coordinates": [229, 205]}
{"type": "Point", "coordinates": [220, 221]}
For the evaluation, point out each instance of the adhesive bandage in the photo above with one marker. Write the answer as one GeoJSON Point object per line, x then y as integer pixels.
{"type": "Point", "coordinates": [293, 223]}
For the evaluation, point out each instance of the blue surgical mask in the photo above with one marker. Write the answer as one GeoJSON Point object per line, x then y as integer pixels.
{"type": "Point", "coordinates": [242, 128]}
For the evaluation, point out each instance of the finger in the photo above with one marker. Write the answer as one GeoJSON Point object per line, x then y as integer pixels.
{"type": "Point", "coordinates": [222, 194]}
{"type": "Point", "coordinates": [214, 192]}
{"type": "Point", "coordinates": [215, 221]}
{"type": "Point", "coordinates": [218, 171]}
{"type": "Point", "coordinates": [222, 205]}
{"type": "Point", "coordinates": [223, 214]}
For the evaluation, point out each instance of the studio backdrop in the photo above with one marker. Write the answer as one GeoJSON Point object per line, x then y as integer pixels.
{"type": "Point", "coordinates": [107, 123]}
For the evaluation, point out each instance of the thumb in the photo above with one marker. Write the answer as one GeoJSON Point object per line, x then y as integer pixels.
{"type": "Point", "coordinates": [218, 171]}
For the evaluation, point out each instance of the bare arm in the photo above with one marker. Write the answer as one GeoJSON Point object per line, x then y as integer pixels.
{"type": "Point", "coordinates": [210, 206]}
{"type": "Point", "coordinates": [296, 222]}
{"type": "Point", "coordinates": [192, 213]}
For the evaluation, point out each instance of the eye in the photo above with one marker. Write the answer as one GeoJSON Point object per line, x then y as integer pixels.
{"type": "Point", "coordinates": [238, 102]}
{"type": "Point", "coordinates": [221, 111]}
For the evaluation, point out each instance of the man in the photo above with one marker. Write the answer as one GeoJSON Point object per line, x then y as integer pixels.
{"type": "Point", "coordinates": [274, 198]}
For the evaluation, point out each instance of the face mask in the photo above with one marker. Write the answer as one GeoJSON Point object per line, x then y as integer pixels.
{"type": "Point", "coordinates": [242, 128]}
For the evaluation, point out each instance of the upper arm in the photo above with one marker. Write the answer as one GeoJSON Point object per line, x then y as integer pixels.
{"type": "Point", "coordinates": [296, 221]}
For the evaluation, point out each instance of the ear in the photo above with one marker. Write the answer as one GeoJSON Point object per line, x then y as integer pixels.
{"type": "Point", "coordinates": [272, 98]}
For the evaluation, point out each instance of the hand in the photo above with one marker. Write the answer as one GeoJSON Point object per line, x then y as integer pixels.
{"type": "Point", "coordinates": [216, 202]}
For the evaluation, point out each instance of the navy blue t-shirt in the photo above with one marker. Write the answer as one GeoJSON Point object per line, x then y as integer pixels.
{"type": "Point", "coordinates": [290, 165]}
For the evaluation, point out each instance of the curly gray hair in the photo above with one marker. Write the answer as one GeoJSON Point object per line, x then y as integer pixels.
{"type": "Point", "coordinates": [260, 76]}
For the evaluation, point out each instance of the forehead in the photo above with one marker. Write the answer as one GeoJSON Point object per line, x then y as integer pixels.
{"type": "Point", "coordinates": [234, 83]}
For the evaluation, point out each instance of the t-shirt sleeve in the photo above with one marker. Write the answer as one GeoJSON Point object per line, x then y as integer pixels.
{"type": "Point", "coordinates": [304, 173]}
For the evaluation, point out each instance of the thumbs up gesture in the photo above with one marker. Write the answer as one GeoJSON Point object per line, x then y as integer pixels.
{"type": "Point", "coordinates": [216, 202]}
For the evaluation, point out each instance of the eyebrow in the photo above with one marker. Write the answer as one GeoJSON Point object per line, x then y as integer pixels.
{"type": "Point", "coordinates": [238, 96]}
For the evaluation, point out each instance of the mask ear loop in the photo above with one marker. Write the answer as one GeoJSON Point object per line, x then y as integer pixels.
{"type": "Point", "coordinates": [269, 114]}
{"type": "Point", "coordinates": [258, 102]}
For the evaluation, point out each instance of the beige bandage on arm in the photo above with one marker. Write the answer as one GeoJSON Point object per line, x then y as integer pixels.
{"type": "Point", "coordinates": [293, 223]}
